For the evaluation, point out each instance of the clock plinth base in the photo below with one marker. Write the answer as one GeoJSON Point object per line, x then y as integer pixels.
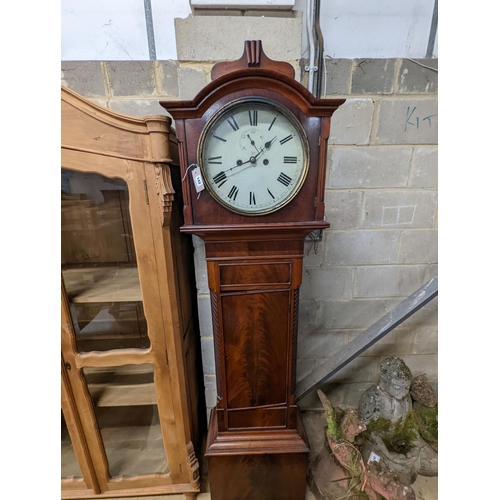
{"type": "Point", "coordinates": [257, 465]}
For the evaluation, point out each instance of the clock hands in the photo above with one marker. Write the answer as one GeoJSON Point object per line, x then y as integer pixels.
{"type": "Point", "coordinates": [252, 142]}
{"type": "Point", "coordinates": [239, 163]}
{"type": "Point", "coordinates": [267, 145]}
{"type": "Point", "coordinates": [239, 171]}
{"type": "Point", "coordinates": [252, 159]}
{"type": "Point", "coordinates": [257, 155]}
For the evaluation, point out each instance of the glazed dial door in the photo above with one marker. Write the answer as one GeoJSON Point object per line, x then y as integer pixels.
{"type": "Point", "coordinates": [254, 156]}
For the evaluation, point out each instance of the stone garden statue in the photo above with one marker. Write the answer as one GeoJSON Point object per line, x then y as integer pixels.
{"type": "Point", "coordinates": [392, 433]}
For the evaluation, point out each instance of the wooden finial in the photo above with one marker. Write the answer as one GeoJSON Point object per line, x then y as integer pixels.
{"type": "Point", "coordinates": [253, 49]}
{"type": "Point", "coordinates": [255, 58]}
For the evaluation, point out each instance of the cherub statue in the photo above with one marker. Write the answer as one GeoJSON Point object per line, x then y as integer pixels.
{"type": "Point", "coordinates": [392, 436]}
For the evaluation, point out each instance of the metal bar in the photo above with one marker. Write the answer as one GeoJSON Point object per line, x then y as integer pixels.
{"type": "Point", "coordinates": [312, 46]}
{"type": "Point", "coordinates": [369, 337]}
{"type": "Point", "coordinates": [320, 50]}
{"type": "Point", "coordinates": [432, 34]}
{"type": "Point", "coordinates": [150, 31]}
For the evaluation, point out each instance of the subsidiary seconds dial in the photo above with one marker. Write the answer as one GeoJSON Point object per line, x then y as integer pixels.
{"type": "Point", "coordinates": [254, 156]}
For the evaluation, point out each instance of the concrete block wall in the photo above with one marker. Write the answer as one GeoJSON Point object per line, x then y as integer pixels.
{"type": "Point", "coordinates": [381, 201]}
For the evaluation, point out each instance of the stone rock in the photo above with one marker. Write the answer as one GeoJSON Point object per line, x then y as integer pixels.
{"type": "Point", "coordinates": [384, 483]}
{"type": "Point", "coordinates": [350, 425]}
{"type": "Point", "coordinates": [325, 477]}
{"type": "Point", "coordinates": [428, 461]}
{"type": "Point", "coordinates": [422, 392]}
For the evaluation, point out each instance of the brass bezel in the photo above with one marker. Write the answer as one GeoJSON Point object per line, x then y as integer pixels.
{"type": "Point", "coordinates": [296, 124]}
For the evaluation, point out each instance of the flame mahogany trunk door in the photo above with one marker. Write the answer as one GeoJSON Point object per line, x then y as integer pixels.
{"type": "Point", "coordinates": [259, 139]}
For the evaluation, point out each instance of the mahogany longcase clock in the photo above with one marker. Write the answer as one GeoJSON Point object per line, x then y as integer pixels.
{"type": "Point", "coordinates": [259, 140]}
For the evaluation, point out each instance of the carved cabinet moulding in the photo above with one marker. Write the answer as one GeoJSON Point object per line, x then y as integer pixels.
{"type": "Point", "coordinates": [164, 190]}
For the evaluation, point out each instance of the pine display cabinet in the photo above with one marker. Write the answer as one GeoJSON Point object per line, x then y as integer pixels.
{"type": "Point", "coordinates": [131, 394]}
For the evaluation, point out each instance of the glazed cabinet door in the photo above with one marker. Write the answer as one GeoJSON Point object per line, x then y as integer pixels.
{"type": "Point", "coordinates": [77, 474]}
{"type": "Point", "coordinates": [117, 426]}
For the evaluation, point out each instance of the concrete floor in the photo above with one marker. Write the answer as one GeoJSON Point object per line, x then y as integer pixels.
{"type": "Point", "coordinates": [201, 496]}
{"type": "Point", "coordinates": [426, 488]}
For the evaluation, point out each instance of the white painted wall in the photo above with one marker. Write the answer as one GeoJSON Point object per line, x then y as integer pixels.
{"type": "Point", "coordinates": [376, 29]}
{"type": "Point", "coordinates": [97, 30]}
{"type": "Point", "coordinates": [243, 4]}
{"type": "Point", "coordinates": [164, 13]}
{"type": "Point", "coordinates": [113, 30]}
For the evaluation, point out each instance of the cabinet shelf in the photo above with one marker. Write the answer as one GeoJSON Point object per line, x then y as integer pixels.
{"type": "Point", "coordinates": [123, 395]}
{"type": "Point", "coordinates": [129, 385]}
{"type": "Point", "coordinates": [86, 285]}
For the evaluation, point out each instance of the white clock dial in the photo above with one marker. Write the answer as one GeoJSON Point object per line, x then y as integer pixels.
{"type": "Point", "coordinates": [254, 156]}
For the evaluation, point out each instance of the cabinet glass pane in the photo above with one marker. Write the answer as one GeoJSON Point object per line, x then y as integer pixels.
{"type": "Point", "coordinates": [69, 464]}
{"type": "Point", "coordinates": [124, 402]}
{"type": "Point", "coordinates": [99, 265]}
